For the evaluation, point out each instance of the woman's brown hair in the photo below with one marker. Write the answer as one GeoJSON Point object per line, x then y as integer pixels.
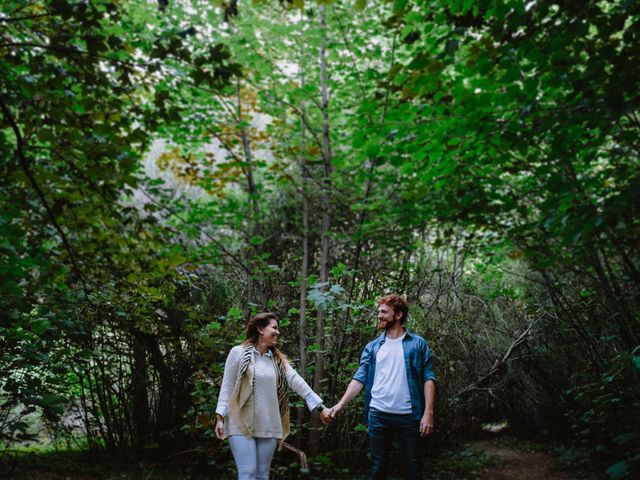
{"type": "Point", "coordinates": [257, 322]}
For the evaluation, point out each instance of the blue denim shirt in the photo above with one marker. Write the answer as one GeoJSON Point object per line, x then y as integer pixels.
{"type": "Point", "coordinates": [417, 360]}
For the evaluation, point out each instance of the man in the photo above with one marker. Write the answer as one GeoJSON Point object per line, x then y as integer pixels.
{"type": "Point", "coordinates": [396, 371]}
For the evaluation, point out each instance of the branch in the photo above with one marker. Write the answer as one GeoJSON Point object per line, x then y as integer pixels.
{"type": "Point", "coordinates": [500, 362]}
{"type": "Point", "coordinates": [206, 234]}
{"type": "Point", "coordinates": [295, 108]}
{"type": "Point", "coordinates": [353, 58]}
{"type": "Point", "coordinates": [277, 68]}
{"type": "Point", "coordinates": [220, 99]}
{"type": "Point", "coordinates": [25, 167]}
{"type": "Point", "coordinates": [68, 51]}
{"type": "Point", "coordinates": [304, 464]}
{"type": "Point", "coordinates": [27, 17]}
{"type": "Point", "coordinates": [386, 93]}
{"type": "Point", "coordinates": [21, 7]}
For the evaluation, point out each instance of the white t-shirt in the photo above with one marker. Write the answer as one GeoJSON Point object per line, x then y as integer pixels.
{"type": "Point", "coordinates": [390, 391]}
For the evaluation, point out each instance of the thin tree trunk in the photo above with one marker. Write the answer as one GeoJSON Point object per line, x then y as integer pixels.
{"type": "Point", "coordinates": [607, 280]}
{"type": "Point", "coordinates": [627, 329]}
{"type": "Point", "coordinates": [560, 303]}
{"type": "Point", "coordinates": [140, 397]}
{"type": "Point", "coordinates": [252, 191]}
{"type": "Point", "coordinates": [107, 414]}
{"type": "Point", "coordinates": [304, 263]}
{"type": "Point", "coordinates": [627, 263]}
{"type": "Point", "coordinates": [104, 433]}
{"type": "Point", "coordinates": [362, 216]}
{"type": "Point", "coordinates": [319, 372]}
{"type": "Point", "coordinates": [85, 410]}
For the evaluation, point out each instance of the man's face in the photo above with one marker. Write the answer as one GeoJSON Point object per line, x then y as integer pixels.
{"type": "Point", "coordinates": [386, 317]}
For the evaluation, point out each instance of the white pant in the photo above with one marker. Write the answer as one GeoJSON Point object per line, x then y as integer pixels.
{"type": "Point", "coordinates": [253, 456]}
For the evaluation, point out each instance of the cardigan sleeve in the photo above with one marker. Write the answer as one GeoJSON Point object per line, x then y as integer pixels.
{"type": "Point", "coordinates": [228, 380]}
{"type": "Point", "coordinates": [302, 388]}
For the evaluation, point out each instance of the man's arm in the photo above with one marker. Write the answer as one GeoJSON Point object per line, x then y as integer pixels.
{"type": "Point", "coordinates": [353, 389]}
{"type": "Point", "coordinates": [426, 423]}
{"type": "Point", "coordinates": [356, 383]}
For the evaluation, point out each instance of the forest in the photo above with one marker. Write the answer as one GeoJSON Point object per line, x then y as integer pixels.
{"type": "Point", "coordinates": [170, 168]}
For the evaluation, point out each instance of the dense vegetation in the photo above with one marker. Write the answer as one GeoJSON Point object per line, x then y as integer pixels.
{"type": "Point", "coordinates": [169, 168]}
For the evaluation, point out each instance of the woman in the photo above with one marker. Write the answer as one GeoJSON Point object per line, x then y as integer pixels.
{"type": "Point", "coordinates": [253, 405]}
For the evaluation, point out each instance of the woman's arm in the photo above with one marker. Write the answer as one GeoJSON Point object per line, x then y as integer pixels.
{"type": "Point", "coordinates": [311, 398]}
{"type": "Point", "coordinates": [228, 384]}
{"type": "Point", "coordinates": [302, 388]}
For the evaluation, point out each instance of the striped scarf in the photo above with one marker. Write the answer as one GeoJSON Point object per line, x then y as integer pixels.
{"type": "Point", "coordinates": [246, 359]}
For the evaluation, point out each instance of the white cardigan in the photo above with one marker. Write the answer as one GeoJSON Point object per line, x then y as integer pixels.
{"type": "Point", "coordinates": [266, 421]}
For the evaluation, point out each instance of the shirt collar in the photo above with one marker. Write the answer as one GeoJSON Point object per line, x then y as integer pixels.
{"type": "Point", "coordinates": [268, 354]}
{"type": "Point", "coordinates": [405, 335]}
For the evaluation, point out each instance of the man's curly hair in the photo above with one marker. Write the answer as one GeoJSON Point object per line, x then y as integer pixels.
{"type": "Point", "coordinates": [398, 303]}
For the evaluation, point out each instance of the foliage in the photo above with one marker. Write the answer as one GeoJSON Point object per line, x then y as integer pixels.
{"type": "Point", "coordinates": [479, 156]}
{"type": "Point", "coordinates": [73, 464]}
{"type": "Point", "coordinates": [461, 463]}
{"type": "Point", "coordinates": [596, 421]}
{"type": "Point", "coordinates": [83, 270]}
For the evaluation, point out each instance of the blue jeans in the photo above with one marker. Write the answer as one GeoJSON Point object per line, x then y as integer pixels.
{"type": "Point", "coordinates": [382, 428]}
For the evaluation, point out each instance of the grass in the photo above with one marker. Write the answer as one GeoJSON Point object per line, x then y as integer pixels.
{"type": "Point", "coordinates": [81, 465]}
{"type": "Point", "coordinates": [569, 456]}
{"type": "Point", "coordinates": [38, 464]}
{"type": "Point", "coordinates": [456, 463]}
{"type": "Point", "coordinates": [463, 463]}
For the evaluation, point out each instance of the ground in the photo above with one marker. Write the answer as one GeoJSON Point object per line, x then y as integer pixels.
{"type": "Point", "coordinates": [495, 457]}
{"type": "Point", "coordinates": [516, 464]}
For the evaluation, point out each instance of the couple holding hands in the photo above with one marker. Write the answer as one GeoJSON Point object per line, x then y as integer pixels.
{"type": "Point", "coordinates": [395, 370]}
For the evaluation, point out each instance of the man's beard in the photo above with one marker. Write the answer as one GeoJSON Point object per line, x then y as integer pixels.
{"type": "Point", "coordinates": [386, 324]}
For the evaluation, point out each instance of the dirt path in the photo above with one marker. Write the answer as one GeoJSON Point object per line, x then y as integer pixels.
{"type": "Point", "coordinates": [515, 464]}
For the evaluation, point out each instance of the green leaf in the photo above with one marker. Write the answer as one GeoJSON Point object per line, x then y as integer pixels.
{"type": "Point", "coordinates": [451, 47]}
{"type": "Point", "coordinates": [618, 470]}
{"type": "Point", "coordinates": [339, 270]}
{"type": "Point", "coordinates": [256, 240]}
{"type": "Point", "coordinates": [40, 325]}
{"type": "Point", "coordinates": [624, 438]}
{"type": "Point", "coordinates": [360, 5]}
{"type": "Point", "coordinates": [372, 148]}
{"type": "Point", "coordinates": [235, 313]}
{"type": "Point", "coordinates": [52, 404]}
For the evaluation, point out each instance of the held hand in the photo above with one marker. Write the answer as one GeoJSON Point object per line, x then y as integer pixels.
{"type": "Point", "coordinates": [426, 425]}
{"type": "Point", "coordinates": [325, 416]}
{"type": "Point", "coordinates": [333, 411]}
{"type": "Point", "coordinates": [219, 429]}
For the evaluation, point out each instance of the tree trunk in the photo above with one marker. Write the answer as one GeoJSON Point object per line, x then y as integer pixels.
{"type": "Point", "coordinates": [139, 394]}
{"type": "Point", "coordinates": [254, 218]}
{"type": "Point", "coordinates": [304, 264]}
{"type": "Point", "coordinates": [319, 371]}
{"type": "Point", "coordinates": [362, 216]}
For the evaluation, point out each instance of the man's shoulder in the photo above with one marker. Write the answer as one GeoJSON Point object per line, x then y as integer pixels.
{"type": "Point", "coordinates": [374, 342]}
{"type": "Point", "coordinates": [415, 338]}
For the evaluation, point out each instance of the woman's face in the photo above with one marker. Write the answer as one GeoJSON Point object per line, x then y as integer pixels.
{"type": "Point", "coordinates": [270, 333]}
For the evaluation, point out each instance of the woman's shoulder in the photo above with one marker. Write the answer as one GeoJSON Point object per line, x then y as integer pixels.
{"type": "Point", "coordinates": [236, 351]}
